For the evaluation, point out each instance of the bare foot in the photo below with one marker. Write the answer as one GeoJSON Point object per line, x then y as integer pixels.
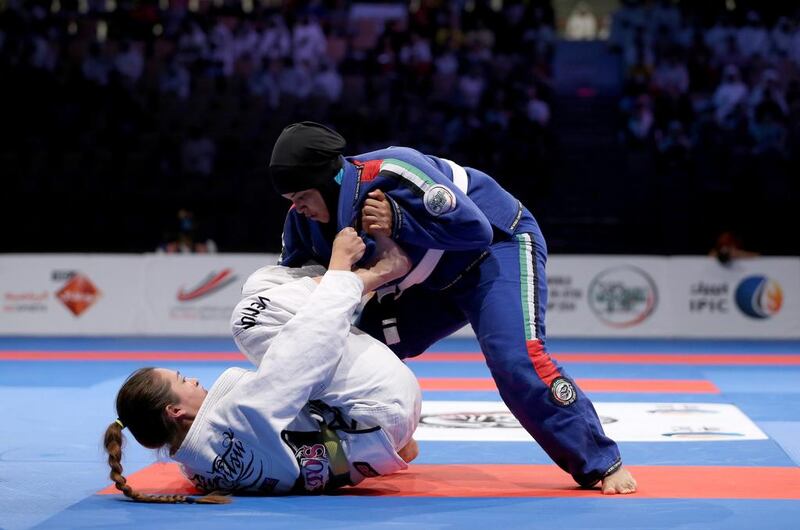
{"type": "Point", "coordinates": [409, 451]}
{"type": "Point", "coordinates": [620, 481]}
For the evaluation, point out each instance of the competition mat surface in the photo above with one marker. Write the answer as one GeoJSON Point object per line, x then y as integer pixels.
{"type": "Point", "coordinates": [711, 430]}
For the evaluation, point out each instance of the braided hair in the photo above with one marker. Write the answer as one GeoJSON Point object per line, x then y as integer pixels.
{"type": "Point", "coordinates": [140, 406]}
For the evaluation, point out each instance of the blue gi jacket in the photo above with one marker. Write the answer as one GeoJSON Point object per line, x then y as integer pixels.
{"type": "Point", "coordinates": [429, 212]}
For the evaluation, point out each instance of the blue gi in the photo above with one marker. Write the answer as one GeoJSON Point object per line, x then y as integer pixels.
{"type": "Point", "coordinates": [491, 274]}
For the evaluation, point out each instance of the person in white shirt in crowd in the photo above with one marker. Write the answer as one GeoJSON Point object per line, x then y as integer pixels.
{"type": "Point", "coordinates": [781, 37]}
{"type": "Point", "coordinates": [129, 61]}
{"type": "Point", "coordinates": [222, 51]}
{"type": "Point", "coordinates": [537, 110]}
{"type": "Point", "coordinates": [328, 83]}
{"type": "Point", "coordinates": [326, 407]}
{"type": "Point", "coordinates": [198, 153]}
{"type": "Point", "coordinates": [471, 86]}
{"type": "Point", "coordinates": [768, 90]}
{"type": "Point", "coordinates": [672, 76]}
{"type": "Point", "coordinates": [276, 42]}
{"type": "Point", "coordinates": [416, 54]}
{"type": "Point", "coordinates": [308, 42]}
{"type": "Point", "coordinates": [581, 23]}
{"type": "Point", "coordinates": [296, 79]}
{"type": "Point", "coordinates": [175, 79]}
{"type": "Point", "coordinates": [246, 41]}
{"type": "Point", "coordinates": [665, 14]}
{"type": "Point", "coordinates": [266, 81]}
{"type": "Point", "coordinates": [640, 124]}
{"type": "Point", "coordinates": [95, 66]}
{"type": "Point", "coordinates": [753, 38]}
{"type": "Point", "coordinates": [192, 44]}
{"type": "Point", "coordinates": [718, 36]}
{"type": "Point", "coordinates": [729, 94]}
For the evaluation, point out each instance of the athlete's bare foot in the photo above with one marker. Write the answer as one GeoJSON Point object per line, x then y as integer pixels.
{"type": "Point", "coordinates": [409, 451]}
{"type": "Point", "coordinates": [620, 481]}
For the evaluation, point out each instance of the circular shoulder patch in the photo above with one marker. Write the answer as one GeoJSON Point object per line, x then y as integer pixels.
{"type": "Point", "coordinates": [439, 200]}
{"type": "Point", "coordinates": [563, 391]}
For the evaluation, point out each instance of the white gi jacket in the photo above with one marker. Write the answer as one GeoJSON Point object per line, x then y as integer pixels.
{"type": "Point", "coordinates": [258, 431]}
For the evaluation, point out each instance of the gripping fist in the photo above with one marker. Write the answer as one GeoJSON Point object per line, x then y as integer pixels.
{"type": "Point", "coordinates": [348, 248]}
{"type": "Point", "coordinates": [376, 215]}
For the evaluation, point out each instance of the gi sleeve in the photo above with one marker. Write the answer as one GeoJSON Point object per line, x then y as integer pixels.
{"type": "Point", "coordinates": [303, 357]}
{"type": "Point", "coordinates": [260, 317]}
{"type": "Point", "coordinates": [428, 209]}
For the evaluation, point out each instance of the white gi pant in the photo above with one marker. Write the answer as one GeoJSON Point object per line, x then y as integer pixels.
{"type": "Point", "coordinates": [370, 385]}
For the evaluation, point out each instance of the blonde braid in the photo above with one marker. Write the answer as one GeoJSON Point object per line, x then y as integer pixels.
{"type": "Point", "coordinates": [113, 444]}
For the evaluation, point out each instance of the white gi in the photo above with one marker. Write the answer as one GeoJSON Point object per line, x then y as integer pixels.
{"type": "Point", "coordinates": [260, 431]}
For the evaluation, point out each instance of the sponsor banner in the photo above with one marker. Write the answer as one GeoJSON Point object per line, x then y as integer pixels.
{"type": "Point", "coordinates": [623, 422]}
{"type": "Point", "coordinates": [70, 294]}
{"type": "Point", "coordinates": [588, 296]}
{"type": "Point", "coordinates": [607, 296]}
{"type": "Point", "coordinates": [748, 298]}
{"type": "Point", "coordinates": [195, 294]}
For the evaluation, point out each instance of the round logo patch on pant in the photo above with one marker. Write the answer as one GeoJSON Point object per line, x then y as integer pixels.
{"type": "Point", "coordinates": [563, 391]}
{"type": "Point", "coordinates": [439, 200]}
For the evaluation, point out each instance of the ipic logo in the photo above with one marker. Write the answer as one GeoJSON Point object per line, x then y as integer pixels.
{"type": "Point", "coordinates": [759, 297]}
{"type": "Point", "coordinates": [623, 296]}
{"type": "Point", "coordinates": [78, 294]}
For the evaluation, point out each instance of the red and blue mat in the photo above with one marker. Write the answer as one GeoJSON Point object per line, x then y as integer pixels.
{"type": "Point", "coordinates": [56, 398]}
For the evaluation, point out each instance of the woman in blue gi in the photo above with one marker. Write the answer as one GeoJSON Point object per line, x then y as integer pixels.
{"type": "Point", "coordinates": [478, 257]}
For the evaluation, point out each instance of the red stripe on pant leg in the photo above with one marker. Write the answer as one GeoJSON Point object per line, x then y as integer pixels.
{"type": "Point", "coordinates": [542, 363]}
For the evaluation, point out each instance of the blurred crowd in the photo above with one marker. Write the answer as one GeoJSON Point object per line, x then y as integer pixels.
{"type": "Point", "coordinates": [167, 99]}
{"type": "Point", "coordinates": [712, 94]}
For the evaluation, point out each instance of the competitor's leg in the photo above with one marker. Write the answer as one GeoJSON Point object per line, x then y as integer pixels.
{"type": "Point", "coordinates": [412, 322]}
{"type": "Point", "coordinates": [505, 302]}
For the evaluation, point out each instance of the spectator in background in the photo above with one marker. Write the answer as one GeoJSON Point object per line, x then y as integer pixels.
{"type": "Point", "coordinates": [192, 44]}
{"type": "Point", "coordinates": [276, 42]}
{"type": "Point", "coordinates": [198, 154]}
{"type": "Point", "coordinates": [781, 37]}
{"type": "Point", "coordinates": [537, 111]}
{"type": "Point", "coordinates": [768, 92]}
{"type": "Point", "coordinates": [296, 80]}
{"type": "Point", "coordinates": [308, 43]}
{"type": "Point", "coordinates": [752, 38]}
{"type": "Point", "coordinates": [768, 133]}
{"type": "Point", "coordinates": [186, 239]}
{"type": "Point", "coordinates": [328, 82]}
{"type": "Point", "coordinates": [581, 23]}
{"type": "Point", "coordinates": [730, 93]}
{"type": "Point", "coordinates": [471, 86]}
{"type": "Point", "coordinates": [129, 62]}
{"type": "Point", "coordinates": [640, 124]}
{"type": "Point", "coordinates": [96, 68]}
{"type": "Point", "coordinates": [175, 79]}
{"type": "Point", "coordinates": [720, 34]}
{"type": "Point", "coordinates": [729, 247]}
{"type": "Point", "coordinates": [266, 82]}
{"type": "Point", "coordinates": [671, 76]}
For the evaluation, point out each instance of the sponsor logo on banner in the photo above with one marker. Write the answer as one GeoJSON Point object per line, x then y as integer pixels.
{"type": "Point", "coordinates": [78, 294]}
{"type": "Point", "coordinates": [208, 285]}
{"type": "Point", "coordinates": [623, 422]}
{"type": "Point", "coordinates": [25, 301]}
{"type": "Point", "coordinates": [709, 297]}
{"type": "Point", "coordinates": [759, 297]}
{"type": "Point", "coordinates": [188, 298]}
{"type": "Point", "coordinates": [623, 296]}
{"type": "Point", "coordinates": [563, 296]}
